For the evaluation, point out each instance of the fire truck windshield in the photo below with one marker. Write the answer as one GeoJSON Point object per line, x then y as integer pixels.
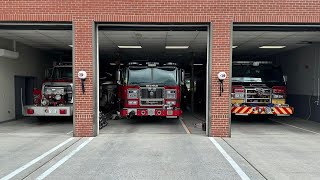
{"type": "Point", "coordinates": [259, 74]}
{"type": "Point", "coordinates": [62, 73]}
{"type": "Point", "coordinates": [157, 75]}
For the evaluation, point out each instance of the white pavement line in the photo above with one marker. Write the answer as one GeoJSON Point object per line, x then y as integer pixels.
{"type": "Point", "coordinates": [184, 126]}
{"type": "Point", "coordinates": [235, 166]}
{"type": "Point", "coordinates": [63, 160]}
{"type": "Point", "coordinates": [70, 132]}
{"type": "Point", "coordinates": [296, 127]}
{"type": "Point", "coordinates": [17, 171]}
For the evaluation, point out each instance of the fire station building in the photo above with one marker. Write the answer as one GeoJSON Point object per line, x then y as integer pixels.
{"type": "Point", "coordinates": [205, 36]}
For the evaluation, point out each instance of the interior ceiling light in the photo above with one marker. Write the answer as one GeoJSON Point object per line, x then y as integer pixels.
{"type": "Point", "coordinates": [198, 64]}
{"type": "Point", "coordinates": [272, 47]}
{"type": "Point", "coordinates": [70, 45]}
{"type": "Point", "coordinates": [129, 47]}
{"type": "Point", "coordinates": [234, 47]}
{"type": "Point", "coordinates": [177, 47]}
{"type": "Point", "coordinates": [113, 64]}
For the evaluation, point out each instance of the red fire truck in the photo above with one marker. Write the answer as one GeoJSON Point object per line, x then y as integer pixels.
{"type": "Point", "coordinates": [150, 90]}
{"type": "Point", "coordinates": [55, 96]}
{"type": "Point", "coordinates": [258, 88]}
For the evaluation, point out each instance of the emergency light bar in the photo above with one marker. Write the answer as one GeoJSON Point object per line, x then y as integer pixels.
{"type": "Point", "coordinates": [250, 62]}
{"type": "Point", "coordinates": [152, 64]}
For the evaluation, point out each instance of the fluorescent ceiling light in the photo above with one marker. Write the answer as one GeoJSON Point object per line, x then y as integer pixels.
{"type": "Point", "coordinates": [272, 47]}
{"type": "Point", "coordinates": [114, 64]}
{"type": "Point", "coordinates": [177, 47]}
{"type": "Point", "coordinates": [197, 64]}
{"type": "Point", "coordinates": [234, 47]}
{"type": "Point", "coordinates": [129, 47]}
{"type": "Point", "coordinates": [70, 45]}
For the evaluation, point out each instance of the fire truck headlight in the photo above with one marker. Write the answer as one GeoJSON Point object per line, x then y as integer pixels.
{"type": "Point", "coordinates": [238, 95]}
{"type": "Point", "coordinates": [132, 102]}
{"type": "Point", "coordinates": [171, 94]}
{"type": "Point", "coordinates": [268, 110]}
{"type": "Point", "coordinates": [132, 93]}
{"type": "Point", "coordinates": [278, 96]}
{"type": "Point", "coordinates": [57, 97]}
{"type": "Point", "coordinates": [171, 102]}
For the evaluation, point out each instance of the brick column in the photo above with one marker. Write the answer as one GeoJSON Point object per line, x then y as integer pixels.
{"type": "Point", "coordinates": [221, 57]}
{"type": "Point", "coordinates": [83, 61]}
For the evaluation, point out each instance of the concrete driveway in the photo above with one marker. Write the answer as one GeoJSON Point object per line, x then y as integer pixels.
{"type": "Point", "coordinates": [280, 148]}
{"type": "Point", "coordinates": [23, 140]}
{"type": "Point", "coordinates": [161, 149]}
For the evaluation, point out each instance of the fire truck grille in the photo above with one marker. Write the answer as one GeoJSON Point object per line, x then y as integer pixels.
{"type": "Point", "coordinates": [152, 93]}
{"type": "Point", "coordinates": [152, 96]}
{"type": "Point", "coordinates": [258, 95]}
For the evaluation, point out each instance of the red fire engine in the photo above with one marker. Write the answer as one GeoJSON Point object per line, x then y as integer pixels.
{"type": "Point", "coordinates": [258, 88]}
{"type": "Point", "coordinates": [150, 90]}
{"type": "Point", "coordinates": [55, 96]}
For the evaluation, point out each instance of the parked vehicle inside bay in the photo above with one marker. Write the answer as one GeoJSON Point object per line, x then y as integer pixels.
{"type": "Point", "coordinates": [150, 90]}
{"type": "Point", "coordinates": [259, 88]}
{"type": "Point", "coordinates": [55, 96]}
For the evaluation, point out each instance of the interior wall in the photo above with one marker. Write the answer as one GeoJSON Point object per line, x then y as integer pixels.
{"type": "Point", "coordinates": [302, 68]}
{"type": "Point", "coordinates": [31, 62]}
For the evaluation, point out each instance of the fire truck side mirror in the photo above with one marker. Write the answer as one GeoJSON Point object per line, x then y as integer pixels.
{"type": "Point", "coordinates": [182, 76]}
{"type": "Point", "coordinates": [285, 79]}
{"type": "Point", "coordinates": [118, 76]}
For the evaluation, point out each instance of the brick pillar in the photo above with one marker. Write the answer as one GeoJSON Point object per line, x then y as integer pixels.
{"type": "Point", "coordinates": [221, 57]}
{"type": "Point", "coordinates": [83, 61]}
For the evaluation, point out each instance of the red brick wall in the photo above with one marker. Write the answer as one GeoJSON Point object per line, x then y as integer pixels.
{"type": "Point", "coordinates": [220, 12]}
{"type": "Point", "coordinates": [221, 57]}
{"type": "Point", "coordinates": [83, 62]}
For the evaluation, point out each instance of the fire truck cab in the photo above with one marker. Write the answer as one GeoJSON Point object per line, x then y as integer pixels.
{"type": "Point", "coordinates": [150, 90]}
{"type": "Point", "coordinates": [258, 88]}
